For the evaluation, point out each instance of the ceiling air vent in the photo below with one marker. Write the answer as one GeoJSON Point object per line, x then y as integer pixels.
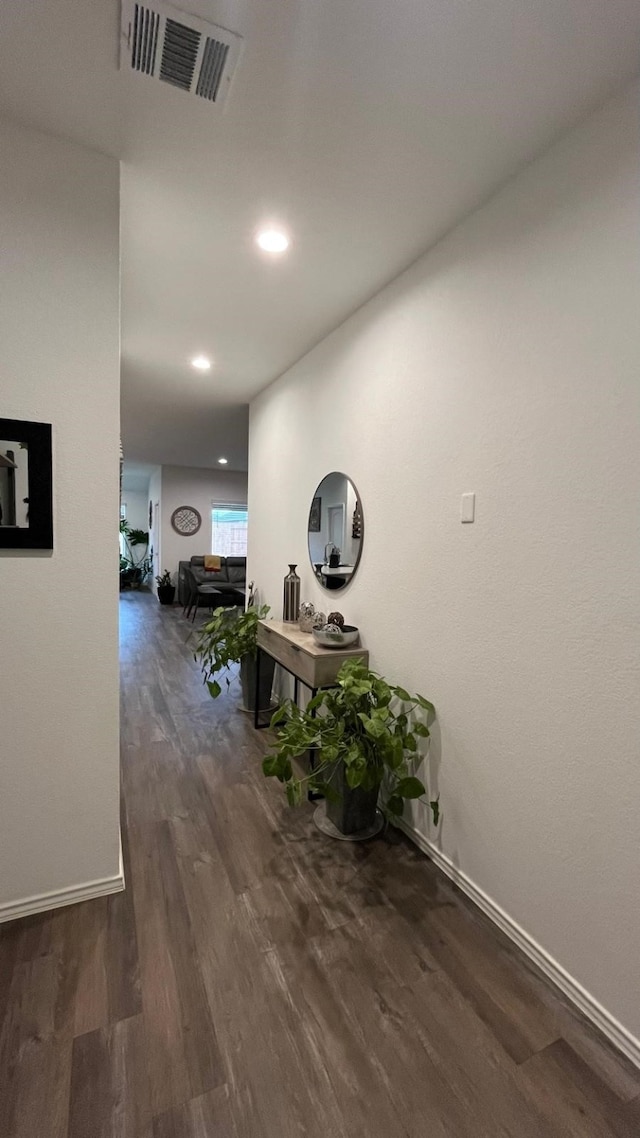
{"type": "Point", "coordinates": [182, 50]}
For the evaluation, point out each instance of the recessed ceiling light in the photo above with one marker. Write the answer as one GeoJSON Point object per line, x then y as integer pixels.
{"type": "Point", "coordinates": [272, 240]}
{"type": "Point", "coordinates": [201, 363]}
{"type": "Point", "coordinates": [223, 461]}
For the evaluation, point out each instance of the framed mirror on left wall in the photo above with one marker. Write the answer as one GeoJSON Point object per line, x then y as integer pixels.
{"type": "Point", "coordinates": [26, 488]}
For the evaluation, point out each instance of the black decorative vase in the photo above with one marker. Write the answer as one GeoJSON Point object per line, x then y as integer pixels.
{"type": "Point", "coordinates": [291, 605]}
{"type": "Point", "coordinates": [166, 594]}
{"type": "Point", "coordinates": [355, 809]}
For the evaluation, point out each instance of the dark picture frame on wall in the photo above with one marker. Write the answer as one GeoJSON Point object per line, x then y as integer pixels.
{"type": "Point", "coordinates": [27, 518]}
{"type": "Point", "coordinates": [315, 516]}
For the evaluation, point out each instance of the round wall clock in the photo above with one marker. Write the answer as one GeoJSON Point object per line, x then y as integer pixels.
{"type": "Point", "coordinates": [186, 521]}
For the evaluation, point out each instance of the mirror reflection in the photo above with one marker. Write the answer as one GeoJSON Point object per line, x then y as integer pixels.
{"type": "Point", "coordinates": [14, 484]}
{"type": "Point", "coordinates": [335, 531]}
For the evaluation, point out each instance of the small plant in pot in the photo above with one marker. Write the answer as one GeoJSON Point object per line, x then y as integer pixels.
{"type": "Point", "coordinates": [166, 591]}
{"type": "Point", "coordinates": [231, 637]}
{"type": "Point", "coordinates": [363, 734]}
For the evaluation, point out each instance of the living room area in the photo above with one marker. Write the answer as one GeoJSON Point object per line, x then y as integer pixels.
{"type": "Point", "coordinates": [187, 514]}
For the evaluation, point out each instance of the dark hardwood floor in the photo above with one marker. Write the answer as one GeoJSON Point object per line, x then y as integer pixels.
{"type": "Point", "coordinates": [258, 980]}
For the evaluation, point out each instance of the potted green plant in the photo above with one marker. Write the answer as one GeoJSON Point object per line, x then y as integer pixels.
{"type": "Point", "coordinates": [363, 735]}
{"type": "Point", "coordinates": [231, 637]}
{"type": "Point", "coordinates": [134, 569]}
{"type": "Point", "coordinates": [166, 591]}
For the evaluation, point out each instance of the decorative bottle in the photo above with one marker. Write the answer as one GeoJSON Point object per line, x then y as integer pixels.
{"type": "Point", "coordinates": [291, 596]}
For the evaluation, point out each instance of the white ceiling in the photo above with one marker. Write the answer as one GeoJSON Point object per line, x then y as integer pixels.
{"type": "Point", "coordinates": [367, 127]}
{"type": "Point", "coordinates": [136, 476]}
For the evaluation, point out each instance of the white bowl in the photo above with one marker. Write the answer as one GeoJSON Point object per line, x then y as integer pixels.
{"type": "Point", "coordinates": [348, 635]}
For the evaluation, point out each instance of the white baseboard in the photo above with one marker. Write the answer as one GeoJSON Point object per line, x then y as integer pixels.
{"type": "Point", "coordinates": [88, 891]}
{"type": "Point", "coordinates": [609, 1026]}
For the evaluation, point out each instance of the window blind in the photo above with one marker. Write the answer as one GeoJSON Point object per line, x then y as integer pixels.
{"type": "Point", "coordinates": [229, 530]}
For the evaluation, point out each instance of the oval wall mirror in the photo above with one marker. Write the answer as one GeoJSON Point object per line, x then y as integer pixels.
{"type": "Point", "coordinates": [335, 531]}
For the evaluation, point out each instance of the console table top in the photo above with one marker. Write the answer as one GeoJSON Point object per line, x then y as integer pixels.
{"type": "Point", "coordinates": [303, 641]}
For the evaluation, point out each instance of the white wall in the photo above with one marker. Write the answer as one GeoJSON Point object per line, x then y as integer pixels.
{"type": "Point", "coordinates": [198, 487]}
{"type": "Point", "coordinates": [59, 362]}
{"type": "Point", "coordinates": [137, 509]}
{"type": "Point", "coordinates": [504, 362]}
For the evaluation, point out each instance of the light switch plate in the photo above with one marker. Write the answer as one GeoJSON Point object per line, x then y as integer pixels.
{"type": "Point", "coordinates": [468, 508]}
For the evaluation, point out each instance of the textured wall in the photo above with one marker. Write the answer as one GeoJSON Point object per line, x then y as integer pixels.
{"type": "Point", "coordinates": [137, 509]}
{"type": "Point", "coordinates": [59, 349]}
{"type": "Point", "coordinates": [504, 362]}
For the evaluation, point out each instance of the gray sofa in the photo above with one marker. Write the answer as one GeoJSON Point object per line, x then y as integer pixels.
{"type": "Point", "coordinates": [229, 583]}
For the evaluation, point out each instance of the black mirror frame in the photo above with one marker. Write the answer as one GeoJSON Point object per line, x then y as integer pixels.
{"type": "Point", "coordinates": [39, 533]}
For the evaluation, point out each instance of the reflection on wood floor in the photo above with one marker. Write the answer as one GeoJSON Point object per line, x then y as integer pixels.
{"type": "Point", "coordinates": [257, 980]}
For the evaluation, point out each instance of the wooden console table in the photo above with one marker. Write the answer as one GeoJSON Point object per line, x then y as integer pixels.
{"type": "Point", "coordinates": [298, 653]}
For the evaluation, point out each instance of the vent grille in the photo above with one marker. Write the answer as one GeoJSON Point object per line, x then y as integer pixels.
{"type": "Point", "coordinates": [179, 54]}
{"type": "Point", "coordinates": [181, 50]}
{"type": "Point", "coordinates": [145, 39]}
{"type": "Point", "coordinates": [213, 64]}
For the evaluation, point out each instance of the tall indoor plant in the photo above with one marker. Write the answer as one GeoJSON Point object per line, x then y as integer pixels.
{"type": "Point", "coordinates": [134, 568]}
{"type": "Point", "coordinates": [363, 734]}
{"type": "Point", "coordinates": [231, 637]}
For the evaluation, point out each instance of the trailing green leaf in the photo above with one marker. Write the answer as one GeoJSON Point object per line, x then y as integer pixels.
{"type": "Point", "coordinates": [271, 765]}
{"type": "Point", "coordinates": [279, 715]}
{"type": "Point", "coordinates": [395, 752]}
{"type": "Point", "coordinates": [316, 702]}
{"type": "Point", "coordinates": [420, 729]}
{"type": "Point", "coordinates": [427, 706]}
{"type": "Point", "coordinates": [355, 776]}
{"type": "Point", "coordinates": [287, 771]}
{"type": "Point", "coordinates": [373, 727]}
{"type": "Point", "coordinates": [410, 788]}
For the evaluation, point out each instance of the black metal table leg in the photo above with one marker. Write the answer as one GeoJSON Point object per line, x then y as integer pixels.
{"type": "Point", "coordinates": [256, 707]}
{"type": "Point", "coordinates": [312, 795]}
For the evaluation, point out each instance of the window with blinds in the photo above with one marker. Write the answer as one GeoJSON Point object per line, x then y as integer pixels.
{"type": "Point", "coordinates": [229, 530]}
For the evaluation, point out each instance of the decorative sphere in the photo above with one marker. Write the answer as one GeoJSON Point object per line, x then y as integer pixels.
{"type": "Point", "coordinates": [319, 620]}
{"type": "Point", "coordinates": [336, 618]}
{"type": "Point", "coordinates": [331, 628]}
{"type": "Point", "coordinates": [307, 608]}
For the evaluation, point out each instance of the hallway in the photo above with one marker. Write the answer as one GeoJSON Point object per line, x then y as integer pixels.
{"type": "Point", "coordinates": [257, 980]}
